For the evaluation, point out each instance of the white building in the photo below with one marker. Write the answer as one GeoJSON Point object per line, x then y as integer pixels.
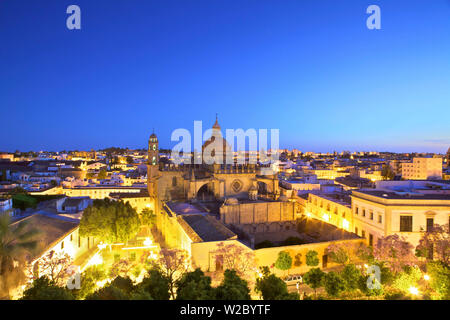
{"type": "Point", "coordinates": [422, 169]}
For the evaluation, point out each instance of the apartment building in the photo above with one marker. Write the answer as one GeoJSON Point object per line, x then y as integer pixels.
{"type": "Point", "coordinates": [422, 169]}
{"type": "Point", "coordinates": [404, 209]}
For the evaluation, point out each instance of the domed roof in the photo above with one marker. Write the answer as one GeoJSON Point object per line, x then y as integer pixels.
{"type": "Point", "coordinates": [216, 124]}
{"type": "Point", "coordinates": [217, 139]}
{"type": "Point", "coordinates": [153, 135]}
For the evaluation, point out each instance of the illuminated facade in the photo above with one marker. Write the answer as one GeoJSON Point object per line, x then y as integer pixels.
{"type": "Point", "coordinates": [378, 213]}
{"type": "Point", "coordinates": [331, 208]}
{"type": "Point", "coordinates": [422, 169]}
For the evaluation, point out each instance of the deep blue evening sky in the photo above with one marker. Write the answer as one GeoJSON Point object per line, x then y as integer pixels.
{"type": "Point", "coordinates": [308, 67]}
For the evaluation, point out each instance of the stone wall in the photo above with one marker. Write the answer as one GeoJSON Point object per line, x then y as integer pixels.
{"type": "Point", "coordinates": [257, 212]}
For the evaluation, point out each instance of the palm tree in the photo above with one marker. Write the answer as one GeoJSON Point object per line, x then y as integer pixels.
{"type": "Point", "coordinates": [16, 241]}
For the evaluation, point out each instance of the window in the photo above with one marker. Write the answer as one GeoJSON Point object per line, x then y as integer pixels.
{"type": "Point", "coordinates": [370, 240]}
{"type": "Point", "coordinates": [71, 237]}
{"type": "Point", "coordinates": [363, 234]}
{"type": "Point", "coordinates": [371, 215]}
{"type": "Point", "coordinates": [430, 224]}
{"type": "Point", "coordinates": [380, 218]}
{"type": "Point", "coordinates": [174, 181]}
{"type": "Point", "coordinates": [406, 224]}
{"type": "Point", "coordinates": [356, 230]}
{"type": "Point", "coordinates": [62, 245]}
{"type": "Point", "coordinates": [79, 241]}
{"type": "Point", "coordinates": [219, 264]}
{"type": "Point", "coordinates": [357, 210]}
{"type": "Point", "coordinates": [364, 212]}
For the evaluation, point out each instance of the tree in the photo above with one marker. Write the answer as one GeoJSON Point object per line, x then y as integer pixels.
{"type": "Point", "coordinates": [284, 261]}
{"type": "Point", "coordinates": [129, 160]}
{"type": "Point", "coordinates": [45, 289]}
{"type": "Point", "coordinates": [314, 279]}
{"type": "Point", "coordinates": [270, 287]}
{"type": "Point", "coordinates": [387, 173]}
{"type": "Point", "coordinates": [407, 279]}
{"type": "Point", "coordinates": [348, 252]}
{"type": "Point", "coordinates": [195, 286]}
{"type": "Point", "coordinates": [110, 221]}
{"type": "Point", "coordinates": [123, 283]}
{"type": "Point", "coordinates": [108, 292]}
{"type": "Point", "coordinates": [235, 257]}
{"type": "Point", "coordinates": [395, 251]}
{"type": "Point", "coordinates": [333, 284]}
{"type": "Point", "coordinates": [156, 285]}
{"type": "Point", "coordinates": [148, 217]}
{"type": "Point", "coordinates": [439, 273]}
{"type": "Point", "coordinates": [311, 258]}
{"type": "Point", "coordinates": [16, 241]}
{"type": "Point", "coordinates": [232, 287]}
{"type": "Point", "coordinates": [141, 294]}
{"type": "Point", "coordinates": [89, 279]}
{"type": "Point", "coordinates": [174, 264]}
{"type": "Point", "coordinates": [55, 265]}
{"type": "Point", "coordinates": [435, 244]}
{"type": "Point", "coordinates": [350, 275]}
{"type": "Point", "coordinates": [121, 268]}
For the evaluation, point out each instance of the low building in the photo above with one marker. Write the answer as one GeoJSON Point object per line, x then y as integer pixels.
{"type": "Point", "coordinates": [61, 235]}
{"type": "Point", "coordinates": [333, 208]}
{"type": "Point", "coordinates": [99, 192]}
{"type": "Point", "coordinates": [422, 169]}
{"type": "Point", "coordinates": [138, 201]}
{"type": "Point", "coordinates": [405, 209]}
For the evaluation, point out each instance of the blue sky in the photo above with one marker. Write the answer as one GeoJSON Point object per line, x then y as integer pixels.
{"type": "Point", "coordinates": [310, 68]}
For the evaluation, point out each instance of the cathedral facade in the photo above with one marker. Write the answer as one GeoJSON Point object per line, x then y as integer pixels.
{"type": "Point", "coordinates": [211, 180]}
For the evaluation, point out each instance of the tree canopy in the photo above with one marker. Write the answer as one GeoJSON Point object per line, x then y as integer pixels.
{"type": "Point", "coordinates": [45, 289]}
{"type": "Point", "coordinates": [110, 221]}
{"type": "Point", "coordinates": [273, 288]}
{"type": "Point", "coordinates": [284, 261]}
{"type": "Point", "coordinates": [312, 259]}
{"type": "Point", "coordinates": [232, 287]}
{"type": "Point", "coordinates": [194, 286]}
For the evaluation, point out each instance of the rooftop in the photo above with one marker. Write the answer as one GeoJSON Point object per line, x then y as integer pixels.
{"type": "Point", "coordinates": [405, 195]}
{"type": "Point", "coordinates": [205, 228]}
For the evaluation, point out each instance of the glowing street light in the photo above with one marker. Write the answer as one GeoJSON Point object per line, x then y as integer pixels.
{"type": "Point", "coordinates": [414, 291]}
{"type": "Point", "coordinates": [147, 242]}
{"type": "Point", "coordinates": [426, 277]}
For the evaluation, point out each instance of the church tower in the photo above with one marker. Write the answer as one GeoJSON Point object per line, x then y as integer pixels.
{"type": "Point", "coordinates": [152, 165]}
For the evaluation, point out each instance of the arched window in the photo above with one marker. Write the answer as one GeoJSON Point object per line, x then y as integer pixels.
{"type": "Point", "coordinates": [174, 181]}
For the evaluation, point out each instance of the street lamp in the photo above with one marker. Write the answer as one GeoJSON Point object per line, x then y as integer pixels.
{"type": "Point", "coordinates": [426, 277]}
{"type": "Point", "coordinates": [414, 291]}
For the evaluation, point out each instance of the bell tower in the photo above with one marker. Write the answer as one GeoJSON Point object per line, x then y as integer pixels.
{"type": "Point", "coordinates": [152, 165]}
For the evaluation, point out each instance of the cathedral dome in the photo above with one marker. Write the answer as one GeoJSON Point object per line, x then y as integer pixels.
{"type": "Point", "coordinates": [218, 142]}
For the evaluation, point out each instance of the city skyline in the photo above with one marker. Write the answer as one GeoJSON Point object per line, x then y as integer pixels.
{"type": "Point", "coordinates": [312, 70]}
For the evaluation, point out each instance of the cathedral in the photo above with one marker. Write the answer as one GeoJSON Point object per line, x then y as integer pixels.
{"type": "Point", "coordinates": [208, 181]}
{"type": "Point", "coordinates": [220, 197]}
